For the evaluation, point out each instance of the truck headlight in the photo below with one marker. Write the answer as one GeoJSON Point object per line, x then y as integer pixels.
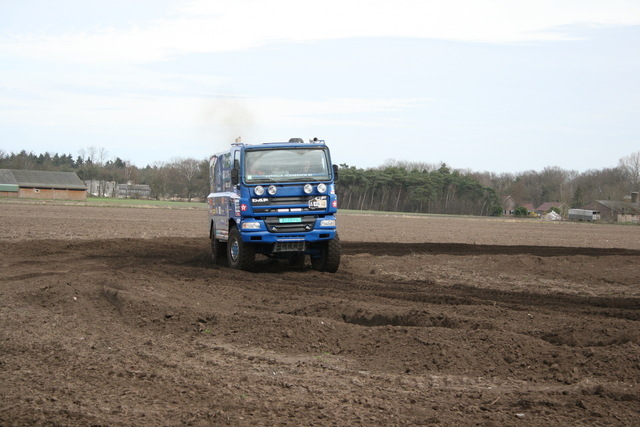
{"type": "Point", "coordinates": [272, 189]}
{"type": "Point", "coordinates": [327, 223]}
{"type": "Point", "coordinates": [250, 225]}
{"type": "Point", "coordinates": [322, 188]}
{"type": "Point", "coordinates": [259, 190]}
{"type": "Point", "coordinates": [308, 188]}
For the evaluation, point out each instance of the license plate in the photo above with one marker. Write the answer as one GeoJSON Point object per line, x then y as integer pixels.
{"type": "Point", "coordinates": [317, 204]}
{"type": "Point", "coordinates": [285, 220]}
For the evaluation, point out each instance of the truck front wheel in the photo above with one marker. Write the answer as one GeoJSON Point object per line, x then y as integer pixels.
{"type": "Point", "coordinates": [240, 255]}
{"type": "Point", "coordinates": [218, 250]}
{"type": "Point", "coordinates": [329, 259]}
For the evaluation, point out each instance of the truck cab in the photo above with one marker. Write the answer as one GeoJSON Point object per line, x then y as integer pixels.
{"type": "Point", "coordinates": [275, 199]}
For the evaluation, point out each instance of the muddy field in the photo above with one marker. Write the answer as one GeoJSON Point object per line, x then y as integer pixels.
{"type": "Point", "coordinates": [115, 316]}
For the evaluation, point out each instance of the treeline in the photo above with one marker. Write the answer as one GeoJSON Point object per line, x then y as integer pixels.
{"type": "Point", "coordinates": [396, 186]}
{"type": "Point", "coordinates": [554, 184]}
{"type": "Point", "coordinates": [180, 178]}
{"type": "Point", "coordinates": [414, 187]}
{"type": "Point", "coordinates": [402, 186]}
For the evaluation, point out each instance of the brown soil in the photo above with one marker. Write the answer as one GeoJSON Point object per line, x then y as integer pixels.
{"type": "Point", "coordinates": [115, 316]}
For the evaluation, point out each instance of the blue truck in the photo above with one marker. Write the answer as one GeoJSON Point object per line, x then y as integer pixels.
{"type": "Point", "coordinates": [277, 199]}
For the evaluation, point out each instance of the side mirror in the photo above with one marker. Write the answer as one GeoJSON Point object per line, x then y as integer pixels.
{"type": "Point", "coordinates": [335, 172]}
{"type": "Point", "coordinates": [235, 179]}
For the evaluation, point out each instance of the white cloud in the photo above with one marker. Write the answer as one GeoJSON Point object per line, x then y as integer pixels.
{"type": "Point", "coordinates": [214, 26]}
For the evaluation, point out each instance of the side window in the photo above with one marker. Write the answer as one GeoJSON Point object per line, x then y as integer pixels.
{"type": "Point", "coordinates": [225, 172]}
{"type": "Point", "coordinates": [213, 180]}
{"type": "Point", "coordinates": [220, 173]}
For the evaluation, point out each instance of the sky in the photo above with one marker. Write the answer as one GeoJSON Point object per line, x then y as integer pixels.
{"type": "Point", "coordinates": [499, 86]}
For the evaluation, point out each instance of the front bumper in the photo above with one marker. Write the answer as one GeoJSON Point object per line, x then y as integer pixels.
{"type": "Point", "coordinates": [306, 230]}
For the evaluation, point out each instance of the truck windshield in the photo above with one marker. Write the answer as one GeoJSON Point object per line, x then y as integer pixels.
{"type": "Point", "coordinates": [286, 165]}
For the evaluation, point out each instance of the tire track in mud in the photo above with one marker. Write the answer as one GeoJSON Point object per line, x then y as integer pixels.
{"type": "Point", "coordinates": [190, 254]}
{"type": "Point", "coordinates": [172, 247]}
{"type": "Point", "coordinates": [403, 249]}
{"type": "Point", "coordinates": [428, 292]}
{"type": "Point", "coordinates": [432, 293]}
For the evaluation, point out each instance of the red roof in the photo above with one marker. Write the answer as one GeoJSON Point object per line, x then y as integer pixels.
{"type": "Point", "coordinates": [548, 205]}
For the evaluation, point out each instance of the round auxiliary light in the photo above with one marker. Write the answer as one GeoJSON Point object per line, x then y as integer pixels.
{"type": "Point", "coordinates": [259, 190]}
{"type": "Point", "coordinates": [322, 188]}
{"type": "Point", "coordinates": [272, 189]}
{"type": "Point", "coordinates": [308, 188]}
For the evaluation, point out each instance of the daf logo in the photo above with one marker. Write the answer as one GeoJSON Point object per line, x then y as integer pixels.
{"type": "Point", "coordinates": [262, 200]}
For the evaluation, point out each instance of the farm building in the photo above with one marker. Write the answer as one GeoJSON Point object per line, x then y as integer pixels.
{"type": "Point", "coordinates": [544, 208]}
{"type": "Point", "coordinates": [584, 215]}
{"type": "Point", "coordinates": [120, 191]}
{"type": "Point", "coordinates": [28, 184]}
{"type": "Point", "coordinates": [616, 211]}
{"type": "Point", "coordinates": [508, 206]}
{"type": "Point", "coordinates": [133, 191]}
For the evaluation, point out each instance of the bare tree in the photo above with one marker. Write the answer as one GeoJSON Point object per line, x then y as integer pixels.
{"type": "Point", "coordinates": [102, 155]}
{"type": "Point", "coordinates": [604, 184]}
{"type": "Point", "coordinates": [188, 170]}
{"type": "Point", "coordinates": [91, 154]}
{"type": "Point", "coordinates": [130, 171]}
{"type": "Point", "coordinates": [630, 166]}
{"type": "Point", "coordinates": [88, 166]}
{"type": "Point", "coordinates": [103, 173]}
{"type": "Point", "coordinates": [555, 184]}
{"type": "Point", "coordinates": [157, 177]}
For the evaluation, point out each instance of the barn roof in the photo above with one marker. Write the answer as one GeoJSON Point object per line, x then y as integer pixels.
{"type": "Point", "coordinates": [41, 179]}
{"type": "Point", "coordinates": [548, 205]}
{"type": "Point", "coordinates": [7, 181]}
{"type": "Point", "coordinates": [621, 207]}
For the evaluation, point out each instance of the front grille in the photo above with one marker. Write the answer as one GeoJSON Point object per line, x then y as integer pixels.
{"type": "Point", "coordinates": [275, 226]}
{"type": "Point", "coordinates": [268, 210]}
